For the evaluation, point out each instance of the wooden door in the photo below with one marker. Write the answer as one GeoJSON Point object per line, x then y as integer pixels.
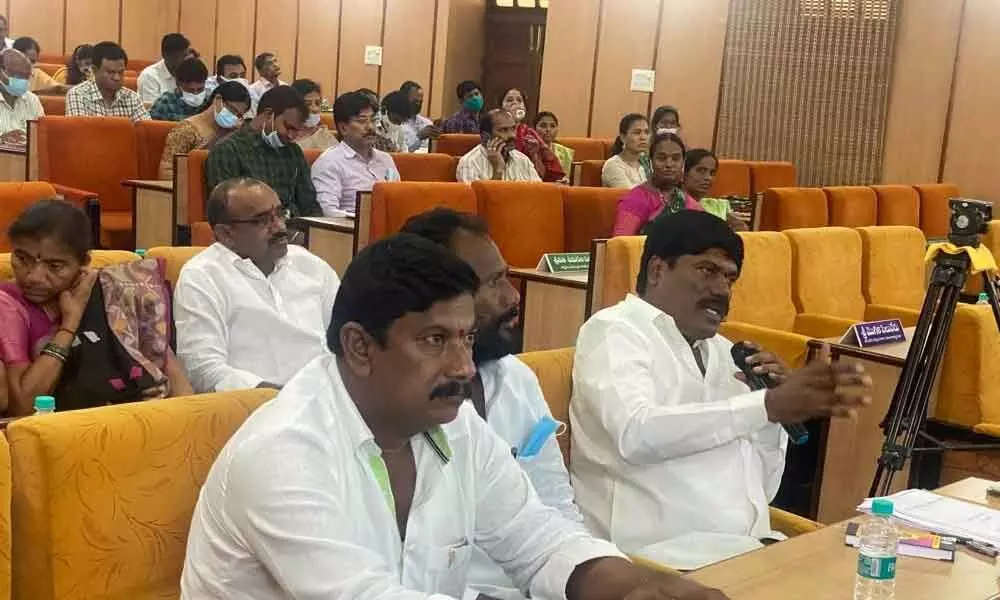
{"type": "Point", "coordinates": [515, 38]}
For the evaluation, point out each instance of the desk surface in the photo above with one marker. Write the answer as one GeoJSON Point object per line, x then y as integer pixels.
{"type": "Point", "coordinates": [890, 354]}
{"type": "Point", "coordinates": [150, 184]}
{"type": "Point", "coordinates": [573, 280]}
{"type": "Point", "coordinates": [819, 566]}
{"type": "Point", "coordinates": [341, 224]}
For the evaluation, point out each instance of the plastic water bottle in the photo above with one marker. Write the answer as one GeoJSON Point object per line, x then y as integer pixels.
{"type": "Point", "coordinates": [876, 579]}
{"type": "Point", "coordinates": [45, 405]}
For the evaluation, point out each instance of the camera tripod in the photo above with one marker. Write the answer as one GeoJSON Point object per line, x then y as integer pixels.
{"type": "Point", "coordinates": [906, 419]}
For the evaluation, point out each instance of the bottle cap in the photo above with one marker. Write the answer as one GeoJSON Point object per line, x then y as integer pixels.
{"type": "Point", "coordinates": [140, 251]}
{"type": "Point", "coordinates": [45, 403]}
{"type": "Point", "coordinates": [881, 506]}
{"type": "Point", "coordinates": [984, 298]}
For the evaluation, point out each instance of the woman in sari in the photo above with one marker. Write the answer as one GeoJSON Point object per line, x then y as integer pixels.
{"type": "Point", "coordinates": [700, 166]}
{"type": "Point", "coordinates": [529, 142]}
{"type": "Point", "coordinates": [89, 338]}
{"type": "Point", "coordinates": [547, 126]}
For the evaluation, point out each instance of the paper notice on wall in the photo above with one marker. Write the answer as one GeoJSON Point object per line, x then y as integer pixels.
{"type": "Point", "coordinates": [373, 55]}
{"type": "Point", "coordinates": [643, 80]}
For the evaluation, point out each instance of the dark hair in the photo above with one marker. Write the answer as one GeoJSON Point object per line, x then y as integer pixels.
{"type": "Point", "coordinates": [263, 57]}
{"type": "Point", "coordinates": [231, 91]}
{"type": "Point", "coordinates": [281, 98]}
{"type": "Point", "coordinates": [226, 60]}
{"type": "Point", "coordinates": [397, 103]}
{"type": "Point", "coordinates": [409, 86]}
{"type": "Point", "coordinates": [397, 275]}
{"type": "Point", "coordinates": [666, 137]}
{"type": "Point", "coordinates": [57, 219]}
{"type": "Point", "coordinates": [465, 87]}
{"type": "Point", "coordinates": [108, 51]}
{"type": "Point", "coordinates": [623, 126]}
{"type": "Point", "coordinates": [542, 115]}
{"type": "Point", "coordinates": [173, 43]}
{"type": "Point", "coordinates": [664, 111]}
{"type": "Point", "coordinates": [25, 43]}
{"type": "Point", "coordinates": [191, 70]}
{"type": "Point", "coordinates": [367, 92]}
{"type": "Point", "coordinates": [486, 119]}
{"type": "Point", "coordinates": [217, 206]}
{"type": "Point", "coordinates": [696, 155]}
{"type": "Point", "coordinates": [73, 73]}
{"type": "Point", "coordinates": [306, 86]}
{"type": "Point", "coordinates": [440, 224]}
{"type": "Point", "coordinates": [686, 233]}
{"type": "Point", "coordinates": [349, 105]}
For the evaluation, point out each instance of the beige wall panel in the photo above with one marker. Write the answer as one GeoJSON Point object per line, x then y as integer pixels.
{"type": "Point", "coordinates": [568, 65]}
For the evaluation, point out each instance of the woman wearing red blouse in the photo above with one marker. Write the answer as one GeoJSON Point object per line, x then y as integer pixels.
{"type": "Point", "coordinates": [529, 142]}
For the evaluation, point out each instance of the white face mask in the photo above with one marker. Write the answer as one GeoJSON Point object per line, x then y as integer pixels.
{"type": "Point", "coordinates": [312, 120]}
{"type": "Point", "coordinates": [193, 100]}
{"type": "Point", "coordinates": [663, 130]}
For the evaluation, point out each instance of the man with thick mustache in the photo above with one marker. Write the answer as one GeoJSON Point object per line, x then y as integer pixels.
{"type": "Point", "coordinates": [674, 457]}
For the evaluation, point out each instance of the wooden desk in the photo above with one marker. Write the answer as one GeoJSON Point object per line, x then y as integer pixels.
{"type": "Point", "coordinates": [819, 566]}
{"type": "Point", "coordinates": [13, 163]}
{"type": "Point", "coordinates": [330, 238]}
{"type": "Point", "coordinates": [154, 221]}
{"type": "Point", "coordinates": [552, 308]}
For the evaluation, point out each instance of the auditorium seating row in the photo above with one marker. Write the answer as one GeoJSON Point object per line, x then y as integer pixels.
{"type": "Point", "coordinates": [53, 68]}
{"type": "Point", "coordinates": [457, 144]}
{"type": "Point", "coordinates": [135, 65]}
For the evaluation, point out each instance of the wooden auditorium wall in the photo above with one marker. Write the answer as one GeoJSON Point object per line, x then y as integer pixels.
{"type": "Point", "coordinates": [430, 41]}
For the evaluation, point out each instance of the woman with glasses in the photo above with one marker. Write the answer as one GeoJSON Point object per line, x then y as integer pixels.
{"type": "Point", "coordinates": [223, 115]}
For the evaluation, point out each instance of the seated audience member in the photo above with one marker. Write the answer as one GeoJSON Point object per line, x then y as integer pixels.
{"type": "Point", "coordinates": [505, 392]}
{"type": "Point", "coordinates": [629, 162]}
{"type": "Point", "coordinates": [222, 116]}
{"type": "Point", "coordinates": [383, 141]}
{"type": "Point", "coordinates": [159, 78]}
{"type": "Point", "coordinates": [251, 309]}
{"type": "Point", "coordinates": [700, 166]}
{"type": "Point", "coordinates": [268, 73]}
{"type": "Point", "coordinates": [527, 140]}
{"type": "Point", "coordinates": [229, 67]}
{"type": "Point", "coordinates": [466, 120]}
{"type": "Point", "coordinates": [354, 165]}
{"type": "Point", "coordinates": [393, 113]}
{"type": "Point", "coordinates": [417, 129]}
{"type": "Point", "coordinates": [104, 95]}
{"type": "Point", "coordinates": [264, 149]}
{"type": "Point", "coordinates": [318, 136]}
{"type": "Point", "coordinates": [189, 97]}
{"type": "Point", "coordinates": [671, 450]}
{"type": "Point", "coordinates": [666, 119]}
{"type": "Point", "coordinates": [370, 475]}
{"type": "Point", "coordinates": [79, 68]}
{"type": "Point", "coordinates": [19, 105]}
{"type": "Point", "coordinates": [5, 38]}
{"type": "Point", "coordinates": [87, 337]}
{"type": "Point", "coordinates": [41, 82]}
{"type": "Point", "coordinates": [661, 195]}
{"type": "Point", "coordinates": [547, 126]}
{"type": "Point", "coordinates": [496, 157]}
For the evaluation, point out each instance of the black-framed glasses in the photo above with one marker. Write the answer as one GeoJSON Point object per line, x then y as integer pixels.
{"type": "Point", "coordinates": [262, 220]}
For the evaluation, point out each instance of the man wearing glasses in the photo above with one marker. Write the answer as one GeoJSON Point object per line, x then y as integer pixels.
{"type": "Point", "coordinates": [251, 310]}
{"type": "Point", "coordinates": [354, 165]}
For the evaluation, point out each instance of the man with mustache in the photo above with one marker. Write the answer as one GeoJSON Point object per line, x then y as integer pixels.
{"type": "Point", "coordinates": [674, 458]}
{"type": "Point", "coordinates": [370, 476]}
{"type": "Point", "coordinates": [250, 310]}
{"type": "Point", "coordinates": [505, 392]}
{"type": "Point", "coordinates": [496, 158]}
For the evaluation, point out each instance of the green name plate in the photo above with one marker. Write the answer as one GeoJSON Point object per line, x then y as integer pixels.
{"type": "Point", "coordinates": [565, 262]}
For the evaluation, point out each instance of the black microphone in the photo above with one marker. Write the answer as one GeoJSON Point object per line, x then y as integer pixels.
{"type": "Point", "coordinates": [797, 432]}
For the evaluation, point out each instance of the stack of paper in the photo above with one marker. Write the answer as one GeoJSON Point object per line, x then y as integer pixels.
{"type": "Point", "coordinates": [925, 510]}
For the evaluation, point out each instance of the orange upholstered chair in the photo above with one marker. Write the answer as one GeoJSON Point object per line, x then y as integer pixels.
{"type": "Point", "coordinates": [425, 167]}
{"type": "Point", "coordinates": [852, 206]}
{"type": "Point", "coordinates": [15, 197]}
{"type": "Point", "coordinates": [96, 154]}
{"type": "Point", "coordinates": [50, 68]}
{"type": "Point", "coordinates": [53, 59]}
{"type": "Point", "coordinates": [202, 234]}
{"type": "Point", "coordinates": [934, 212]}
{"type": "Point", "coordinates": [587, 173]}
{"type": "Point", "coordinates": [897, 205]}
{"type": "Point", "coordinates": [731, 179]}
{"type": "Point", "coordinates": [131, 82]}
{"type": "Point", "coordinates": [585, 148]}
{"type": "Point", "coordinates": [589, 214]}
{"type": "Point", "coordinates": [326, 118]}
{"type": "Point", "coordinates": [526, 219]}
{"type": "Point", "coordinates": [765, 175]}
{"type": "Point", "coordinates": [790, 208]}
{"type": "Point", "coordinates": [893, 272]}
{"type": "Point", "coordinates": [54, 106]}
{"type": "Point", "coordinates": [190, 183]}
{"type": "Point", "coordinates": [174, 258]}
{"type": "Point", "coordinates": [455, 144]}
{"type": "Point", "coordinates": [392, 205]}
{"type": "Point", "coordinates": [151, 137]}
{"type": "Point", "coordinates": [137, 64]}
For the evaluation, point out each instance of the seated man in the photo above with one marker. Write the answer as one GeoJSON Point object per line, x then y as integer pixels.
{"type": "Point", "coordinates": [19, 105]}
{"type": "Point", "coordinates": [250, 310]}
{"type": "Point", "coordinates": [41, 82]}
{"type": "Point", "coordinates": [188, 98]}
{"type": "Point", "coordinates": [229, 67]}
{"type": "Point", "coordinates": [355, 164]}
{"type": "Point", "coordinates": [104, 96]}
{"type": "Point", "coordinates": [268, 74]}
{"type": "Point", "coordinates": [672, 453]}
{"type": "Point", "coordinates": [159, 78]}
{"type": "Point", "coordinates": [466, 120]}
{"type": "Point", "coordinates": [505, 392]}
{"type": "Point", "coordinates": [264, 149]}
{"type": "Point", "coordinates": [370, 476]}
{"type": "Point", "coordinates": [496, 158]}
{"type": "Point", "coordinates": [417, 129]}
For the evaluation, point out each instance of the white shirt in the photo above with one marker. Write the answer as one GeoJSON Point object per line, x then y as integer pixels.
{"type": "Point", "coordinates": [475, 166]}
{"type": "Point", "coordinates": [660, 450]}
{"type": "Point", "coordinates": [26, 108]}
{"type": "Point", "coordinates": [411, 133]}
{"type": "Point", "coordinates": [237, 327]}
{"type": "Point", "coordinates": [154, 81]}
{"type": "Point", "coordinates": [616, 173]}
{"type": "Point", "coordinates": [259, 87]}
{"type": "Point", "coordinates": [298, 505]}
{"type": "Point", "coordinates": [514, 406]}
{"type": "Point", "coordinates": [340, 173]}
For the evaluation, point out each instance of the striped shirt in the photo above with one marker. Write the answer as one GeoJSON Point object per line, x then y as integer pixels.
{"type": "Point", "coordinates": [26, 108]}
{"type": "Point", "coordinates": [85, 100]}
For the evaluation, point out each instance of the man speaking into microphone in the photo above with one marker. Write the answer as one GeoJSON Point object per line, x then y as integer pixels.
{"type": "Point", "coordinates": [674, 457]}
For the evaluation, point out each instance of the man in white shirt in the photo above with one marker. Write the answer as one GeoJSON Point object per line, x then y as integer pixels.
{"type": "Point", "coordinates": [371, 477]}
{"type": "Point", "coordinates": [229, 67]}
{"type": "Point", "coordinates": [505, 392]}
{"type": "Point", "coordinates": [250, 310]}
{"type": "Point", "coordinates": [496, 158]}
{"type": "Point", "coordinates": [158, 78]}
{"type": "Point", "coordinates": [418, 130]}
{"type": "Point", "coordinates": [17, 104]}
{"type": "Point", "coordinates": [673, 457]}
{"type": "Point", "coordinates": [268, 73]}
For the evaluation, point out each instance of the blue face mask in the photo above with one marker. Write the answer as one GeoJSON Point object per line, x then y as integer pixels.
{"type": "Point", "coordinates": [226, 119]}
{"type": "Point", "coordinates": [273, 139]}
{"type": "Point", "coordinates": [16, 86]}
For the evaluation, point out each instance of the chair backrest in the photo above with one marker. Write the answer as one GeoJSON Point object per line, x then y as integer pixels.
{"type": "Point", "coordinates": [585, 148]}
{"type": "Point", "coordinates": [5, 521]}
{"type": "Point", "coordinates": [852, 206]}
{"type": "Point", "coordinates": [131, 82]}
{"type": "Point", "coordinates": [732, 178]}
{"type": "Point", "coordinates": [554, 369]}
{"type": "Point", "coordinates": [202, 234]}
{"type": "Point", "coordinates": [622, 259]}
{"type": "Point", "coordinates": [455, 144]}
{"type": "Point", "coordinates": [52, 58]}
{"type": "Point", "coordinates": [189, 186]}
{"type": "Point", "coordinates": [763, 293]}
{"type": "Point", "coordinates": [587, 173]}
{"type": "Point", "coordinates": [934, 211]}
{"type": "Point", "coordinates": [136, 65]}
{"type": "Point", "coordinates": [589, 214]}
{"type": "Point", "coordinates": [49, 68]}
{"type": "Point", "coordinates": [765, 175]}
{"type": "Point", "coordinates": [897, 205]}
{"type": "Point", "coordinates": [390, 206]}
{"type": "Point", "coordinates": [893, 271]}
{"type": "Point", "coordinates": [151, 137]}
{"type": "Point", "coordinates": [89, 153]}
{"type": "Point", "coordinates": [14, 199]}
{"type": "Point", "coordinates": [54, 106]}
{"type": "Point", "coordinates": [98, 259]}
{"type": "Point", "coordinates": [969, 393]}
{"type": "Point", "coordinates": [174, 259]}
{"type": "Point", "coordinates": [826, 272]}
{"type": "Point", "coordinates": [791, 208]}
{"type": "Point", "coordinates": [414, 166]}
{"type": "Point", "coordinates": [526, 220]}
{"type": "Point", "coordinates": [311, 154]}
{"type": "Point", "coordinates": [128, 520]}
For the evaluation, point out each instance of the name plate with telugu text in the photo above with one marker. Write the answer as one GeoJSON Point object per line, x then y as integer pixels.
{"type": "Point", "coordinates": [875, 333]}
{"type": "Point", "coordinates": [565, 262]}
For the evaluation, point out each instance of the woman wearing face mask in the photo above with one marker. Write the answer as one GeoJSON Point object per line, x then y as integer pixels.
{"type": "Point", "coordinates": [229, 103]}
{"type": "Point", "coordinates": [662, 194]}
{"type": "Point", "coordinates": [79, 68]}
{"type": "Point", "coordinates": [629, 163]}
{"type": "Point", "coordinates": [666, 119]}
{"type": "Point", "coordinates": [529, 142]}
{"type": "Point", "coordinates": [317, 135]}
{"type": "Point", "coordinates": [700, 166]}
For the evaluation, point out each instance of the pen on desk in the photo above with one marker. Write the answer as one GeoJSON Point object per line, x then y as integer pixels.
{"type": "Point", "coordinates": [978, 547]}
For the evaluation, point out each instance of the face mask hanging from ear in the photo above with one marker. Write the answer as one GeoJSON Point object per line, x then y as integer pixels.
{"type": "Point", "coordinates": [272, 139]}
{"type": "Point", "coordinates": [16, 86]}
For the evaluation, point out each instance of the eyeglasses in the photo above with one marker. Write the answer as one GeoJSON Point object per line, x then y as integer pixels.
{"type": "Point", "coordinates": [280, 214]}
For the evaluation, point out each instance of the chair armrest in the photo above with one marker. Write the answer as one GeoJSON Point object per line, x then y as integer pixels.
{"type": "Point", "coordinates": [89, 202]}
{"type": "Point", "coordinates": [652, 565]}
{"type": "Point", "coordinates": [884, 312]}
{"type": "Point", "coordinates": [791, 347]}
{"type": "Point", "coordinates": [791, 524]}
{"type": "Point", "coordinates": [73, 194]}
{"type": "Point", "coordinates": [822, 326]}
